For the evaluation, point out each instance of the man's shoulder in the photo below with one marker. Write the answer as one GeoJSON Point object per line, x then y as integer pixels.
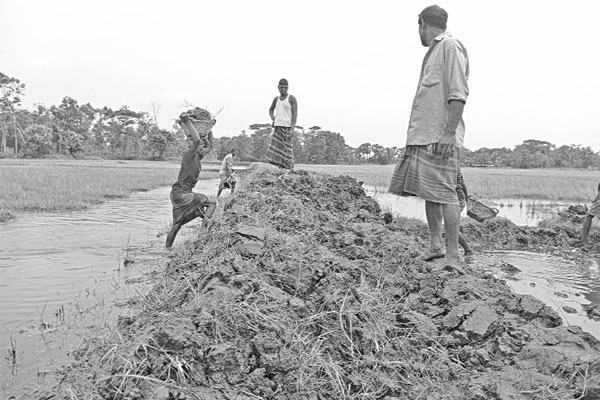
{"type": "Point", "coordinates": [450, 42]}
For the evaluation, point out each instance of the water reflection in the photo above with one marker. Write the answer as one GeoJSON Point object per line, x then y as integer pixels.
{"type": "Point", "coordinates": [557, 282]}
{"type": "Point", "coordinates": [523, 212]}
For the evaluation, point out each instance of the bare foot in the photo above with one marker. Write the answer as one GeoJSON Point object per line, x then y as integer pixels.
{"type": "Point", "coordinates": [452, 260]}
{"type": "Point", "coordinates": [432, 254]}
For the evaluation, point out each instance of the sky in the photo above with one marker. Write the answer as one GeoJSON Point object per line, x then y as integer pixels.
{"type": "Point", "coordinates": [352, 65]}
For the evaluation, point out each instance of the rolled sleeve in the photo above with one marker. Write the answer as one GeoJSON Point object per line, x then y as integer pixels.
{"type": "Point", "coordinates": [456, 70]}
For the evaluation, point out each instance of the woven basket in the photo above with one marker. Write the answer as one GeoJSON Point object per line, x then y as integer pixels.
{"type": "Point", "coordinates": [200, 118]}
{"type": "Point", "coordinates": [203, 127]}
{"type": "Point", "coordinates": [479, 211]}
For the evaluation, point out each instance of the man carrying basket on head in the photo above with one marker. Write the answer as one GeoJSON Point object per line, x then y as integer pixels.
{"type": "Point", "coordinates": [188, 205]}
{"type": "Point", "coordinates": [283, 113]}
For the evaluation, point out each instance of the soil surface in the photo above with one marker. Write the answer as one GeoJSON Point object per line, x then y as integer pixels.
{"type": "Point", "coordinates": [302, 289]}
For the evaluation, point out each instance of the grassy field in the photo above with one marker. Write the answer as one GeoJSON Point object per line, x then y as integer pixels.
{"type": "Point", "coordinates": [491, 183]}
{"type": "Point", "coordinates": [59, 185]}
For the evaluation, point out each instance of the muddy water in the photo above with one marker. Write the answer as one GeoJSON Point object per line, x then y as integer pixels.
{"type": "Point", "coordinates": [564, 285]}
{"type": "Point", "coordinates": [62, 271]}
{"type": "Point", "coordinates": [524, 212]}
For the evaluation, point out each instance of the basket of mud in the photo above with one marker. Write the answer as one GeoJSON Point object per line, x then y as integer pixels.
{"type": "Point", "coordinates": [200, 118]}
{"type": "Point", "coordinates": [479, 211]}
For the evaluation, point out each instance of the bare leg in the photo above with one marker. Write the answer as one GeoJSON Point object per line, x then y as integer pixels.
{"type": "Point", "coordinates": [585, 230]}
{"type": "Point", "coordinates": [451, 214]}
{"type": "Point", "coordinates": [463, 242]}
{"type": "Point", "coordinates": [433, 212]}
{"type": "Point", "coordinates": [172, 234]}
{"type": "Point", "coordinates": [176, 227]}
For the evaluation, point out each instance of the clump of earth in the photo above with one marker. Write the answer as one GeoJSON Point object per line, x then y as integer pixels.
{"type": "Point", "coordinates": [302, 289]}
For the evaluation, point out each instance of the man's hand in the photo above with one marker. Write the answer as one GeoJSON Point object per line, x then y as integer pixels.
{"type": "Point", "coordinates": [446, 145]}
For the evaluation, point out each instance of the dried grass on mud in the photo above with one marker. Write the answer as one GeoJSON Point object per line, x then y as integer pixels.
{"type": "Point", "coordinates": [300, 290]}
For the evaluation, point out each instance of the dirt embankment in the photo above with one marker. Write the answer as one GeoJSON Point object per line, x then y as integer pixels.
{"type": "Point", "coordinates": [300, 290]}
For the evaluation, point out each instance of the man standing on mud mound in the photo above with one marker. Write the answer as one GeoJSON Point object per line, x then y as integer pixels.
{"type": "Point", "coordinates": [188, 205]}
{"type": "Point", "coordinates": [283, 113]}
{"type": "Point", "coordinates": [429, 166]}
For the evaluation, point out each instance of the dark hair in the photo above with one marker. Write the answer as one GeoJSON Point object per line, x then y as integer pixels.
{"type": "Point", "coordinates": [233, 150]}
{"type": "Point", "coordinates": [434, 16]}
{"type": "Point", "coordinates": [283, 81]}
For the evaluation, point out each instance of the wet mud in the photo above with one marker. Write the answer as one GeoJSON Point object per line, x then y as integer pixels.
{"type": "Point", "coordinates": [302, 289]}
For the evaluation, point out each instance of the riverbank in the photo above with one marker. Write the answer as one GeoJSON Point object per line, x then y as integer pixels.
{"type": "Point", "coordinates": [300, 290]}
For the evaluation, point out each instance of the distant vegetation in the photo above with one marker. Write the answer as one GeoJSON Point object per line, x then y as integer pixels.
{"type": "Point", "coordinates": [82, 131]}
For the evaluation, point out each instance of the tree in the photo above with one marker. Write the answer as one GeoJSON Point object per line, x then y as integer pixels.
{"type": "Point", "coordinates": [260, 140]}
{"type": "Point", "coordinates": [71, 124]}
{"type": "Point", "coordinates": [364, 151]}
{"type": "Point", "coordinates": [11, 90]}
{"type": "Point", "coordinates": [38, 141]}
{"type": "Point", "coordinates": [158, 141]}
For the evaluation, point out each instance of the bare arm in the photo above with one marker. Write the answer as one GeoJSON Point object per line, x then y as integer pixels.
{"type": "Point", "coordinates": [294, 105]}
{"type": "Point", "coordinates": [190, 130]}
{"type": "Point", "coordinates": [448, 140]}
{"type": "Point", "coordinates": [272, 109]}
{"type": "Point", "coordinates": [455, 112]}
{"type": "Point", "coordinates": [464, 185]}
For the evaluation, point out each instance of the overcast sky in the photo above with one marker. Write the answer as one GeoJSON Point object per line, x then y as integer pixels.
{"type": "Point", "coordinates": [352, 65]}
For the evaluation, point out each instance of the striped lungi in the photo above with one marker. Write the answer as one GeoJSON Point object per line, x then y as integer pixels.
{"type": "Point", "coordinates": [186, 205]}
{"type": "Point", "coordinates": [595, 207]}
{"type": "Point", "coordinates": [280, 151]}
{"type": "Point", "coordinates": [426, 175]}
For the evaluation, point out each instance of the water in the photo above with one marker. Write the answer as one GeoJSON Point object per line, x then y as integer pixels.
{"type": "Point", "coordinates": [523, 212]}
{"type": "Point", "coordinates": [555, 281]}
{"type": "Point", "coordinates": [58, 271]}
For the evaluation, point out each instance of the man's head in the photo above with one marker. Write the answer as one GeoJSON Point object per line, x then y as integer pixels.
{"type": "Point", "coordinates": [233, 152]}
{"type": "Point", "coordinates": [283, 86]}
{"type": "Point", "coordinates": [432, 22]}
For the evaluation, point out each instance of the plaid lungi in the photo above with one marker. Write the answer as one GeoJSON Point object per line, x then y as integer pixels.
{"type": "Point", "coordinates": [595, 207]}
{"type": "Point", "coordinates": [280, 151]}
{"type": "Point", "coordinates": [426, 175]}
{"type": "Point", "coordinates": [187, 204]}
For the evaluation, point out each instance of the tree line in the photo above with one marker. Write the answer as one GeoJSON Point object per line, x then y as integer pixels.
{"type": "Point", "coordinates": [534, 153]}
{"type": "Point", "coordinates": [80, 130]}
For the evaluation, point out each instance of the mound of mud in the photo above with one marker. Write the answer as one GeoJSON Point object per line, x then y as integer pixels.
{"type": "Point", "coordinates": [300, 290]}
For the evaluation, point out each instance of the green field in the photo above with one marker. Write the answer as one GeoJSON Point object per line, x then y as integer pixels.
{"type": "Point", "coordinates": [491, 183]}
{"type": "Point", "coordinates": [60, 185]}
